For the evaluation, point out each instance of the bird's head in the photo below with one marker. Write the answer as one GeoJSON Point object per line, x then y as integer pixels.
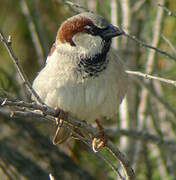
{"type": "Point", "coordinates": [87, 38]}
{"type": "Point", "coordinates": [86, 28]}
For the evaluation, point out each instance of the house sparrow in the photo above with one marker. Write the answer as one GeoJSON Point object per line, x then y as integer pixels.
{"type": "Point", "coordinates": [83, 75]}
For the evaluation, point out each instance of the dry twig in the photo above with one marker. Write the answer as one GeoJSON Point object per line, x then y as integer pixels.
{"type": "Point", "coordinates": [170, 13]}
{"type": "Point", "coordinates": [150, 46]}
{"type": "Point", "coordinates": [49, 115]}
{"type": "Point", "coordinates": [147, 76]}
{"type": "Point", "coordinates": [77, 6]}
{"type": "Point", "coordinates": [33, 31]}
{"type": "Point", "coordinates": [8, 45]}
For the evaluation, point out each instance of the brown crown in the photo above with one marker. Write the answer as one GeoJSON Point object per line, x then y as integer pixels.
{"type": "Point", "coordinates": [70, 28]}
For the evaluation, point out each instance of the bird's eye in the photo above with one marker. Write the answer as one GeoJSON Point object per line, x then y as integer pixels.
{"type": "Point", "coordinates": [93, 30]}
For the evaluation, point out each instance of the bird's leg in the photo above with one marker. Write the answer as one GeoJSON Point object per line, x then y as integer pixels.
{"type": "Point", "coordinates": [62, 133]}
{"type": "Point", "coordinates": [101, 140]}
{"type": "Point", "coordinates": [60, 114]}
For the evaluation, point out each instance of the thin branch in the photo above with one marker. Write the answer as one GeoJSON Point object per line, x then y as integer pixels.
{"type": "Point", "coordinates": [149, 69]}
{"type": "Point", "coordinates": [8, 45]}
{"type": "Point", "coordinates": [160, 99]}
{"type": "Point", "coordinates": [110, 131]}
{"type": "Point", "coordinates": [98, 154]}
{"type": "Point", "coordinates": [33, 31]}
{"type": "Point", "coordinates": [71, 4]}
{"type": "Point", "coordinates": [33, 106]}
{"type": "Point", "coordinates": [170, 13]}
{"type": "Point", "coordinates": [7, 94]}
{"type": "Point", "coordinates": [144, 136]}
{"type": "Point", "coordinates": [169, 43]}
{"type": "Point", "coordinates": [157, 97]}
{"type": "Point", "coordinates": [150, 46]}
{"type": "Point", "coordinates": [121, 157]}
{"type": "Point", "coordinates": [147, 76]}
{"type": "Point", "coordinates": [72, 121]}
{"type": "Point", "coordinates": [32, 114]}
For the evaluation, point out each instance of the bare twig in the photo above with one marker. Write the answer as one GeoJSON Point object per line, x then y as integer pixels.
{"type": "Point", "coordinates": [169, 43]}
{"type": "Point", "coordinates": [149, 69]}
{"type": "Point", "coordinates": [71, 4]}
{"type": "Point", "coordinates": [147, 76]}
{"type": "Point", "coordinates": [7, 94]}
{"type": "Point", "coordinates": [144, 136]}
{"type": "Point", "coordinates": [98, 154]}
{"type": "Point", "coordinates": [33, 31]}
{"type": "Point", "coordinates": [19, 68]}
{"type": "Point", "coordinates": [150, 46]}
{"type": "Point", "coordinates": [51, 113]}
{"type": "Point", "coordinates": [33, 106]}
{"type": "Point", "coordinates": [121, 157]}
{"type": "Point", "coordinates": [110, 131]}
{"type": "Point", "coordinates": [157, 97]}
{"type": "Point", "coordinates": [170, 13]}
{"type": "Point", "coordinates": [160, 99]}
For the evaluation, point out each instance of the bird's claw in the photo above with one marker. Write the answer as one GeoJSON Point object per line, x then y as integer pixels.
{"type": "Point", "coordinates": [60, 114]}
{"type": "Point", "coordinates": [101, 140]}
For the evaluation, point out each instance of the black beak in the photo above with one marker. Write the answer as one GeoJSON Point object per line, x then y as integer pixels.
{"type": "Point", "coordinates": [111, 32]}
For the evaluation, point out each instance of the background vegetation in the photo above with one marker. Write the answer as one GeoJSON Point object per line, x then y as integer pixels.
{"type": "Point", "coordinates": [145, 129]}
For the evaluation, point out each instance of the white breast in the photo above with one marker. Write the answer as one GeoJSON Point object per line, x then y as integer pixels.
{"type": "Point", "coordinates": [59, 85]}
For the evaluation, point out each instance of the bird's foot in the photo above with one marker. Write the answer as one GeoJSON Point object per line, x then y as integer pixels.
{"type": "Point", "coordinates": [62, 132]}
{"type": "Point", "coordinates": [101, 140]}
{"type": "Point", "coordinates": [60, 114]}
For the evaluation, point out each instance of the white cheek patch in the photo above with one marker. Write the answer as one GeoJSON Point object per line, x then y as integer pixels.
{"type": "Point", "coordinates": [88, 44]}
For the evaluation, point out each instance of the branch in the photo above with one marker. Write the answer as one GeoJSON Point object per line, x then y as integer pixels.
{"type": "Point", "coordinates": [110, 146]}
{"type": "Point", "coordinates": [8, 45]}
{"type": "Point", "coordinates": [169, 43]}
{"type": "Point", "coordinates": [150, 46]}
{"type": "Point", "coordinates": [32, 106]}
{"type": "Point", "coordinates": [147, 76]}
{"type": "Point", "coordinates": [121, 157]}
{"type": "Point", "coordinates": [110, 131]}
{"type": "Point", "coordinates": [77, 6]}
{"type": "Point", "coordinates": [143, 104]}
{"type": "Point", "coordinates": [7, 94]}
{"type": "Point", "coordinates": [170, 13]}
{"type": "Point", "coordinates": [141, 135]}
{"type": "Point", "coordinates": [160, 99]}
{"type": "Point", "coordinates": [33, 31]}
{"type": "Point", "coordinates": [98, 154]}
{"type": "Point", "coordinates": [49, 114]}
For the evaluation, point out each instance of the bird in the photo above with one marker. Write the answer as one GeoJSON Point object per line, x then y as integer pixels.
{"type": "Point", "coordinates": [83, 75]}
